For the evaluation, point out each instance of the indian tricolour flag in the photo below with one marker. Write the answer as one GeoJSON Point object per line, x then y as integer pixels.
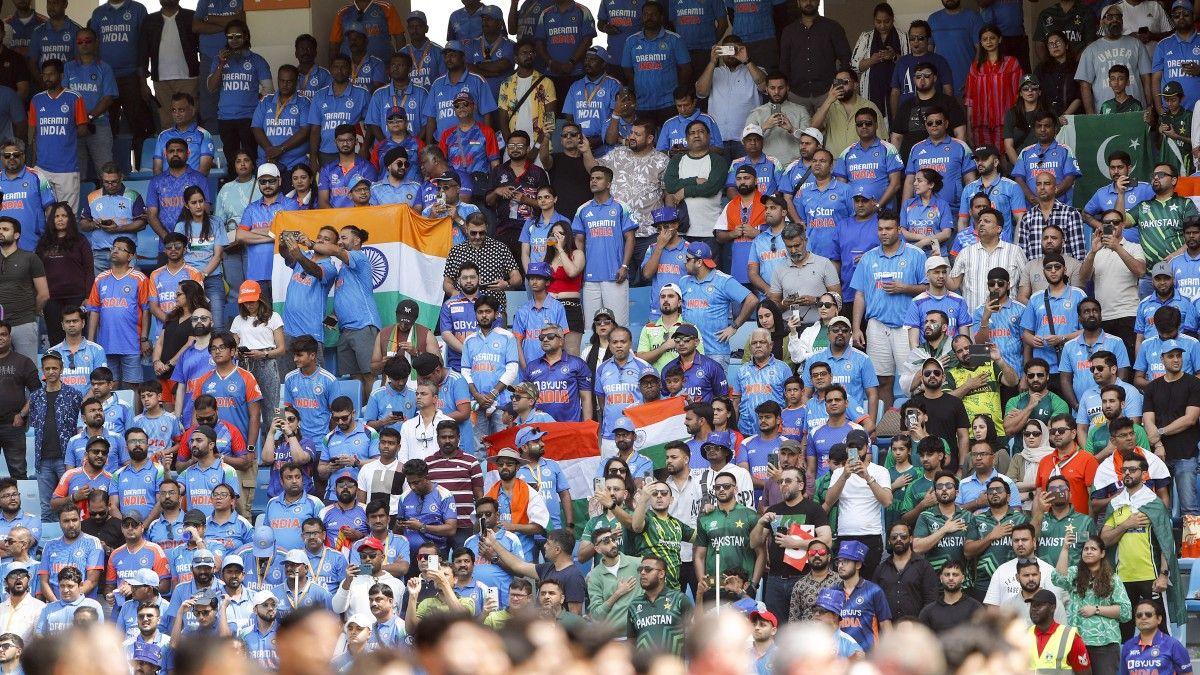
{"type": "Point", "coordinates": [658, 423]}
{"type": "Point", "coordinates": [576, 448]}
{"type": "Point", "coordinates": [407, 253]}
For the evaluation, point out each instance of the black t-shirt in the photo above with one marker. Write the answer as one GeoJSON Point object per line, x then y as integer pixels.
{"type": "Point", "coordinates": [1169, 401]}
{"type": "Point", "coordinates": [940, 617]}
{"type": "Point", "coordinates": [910, 118]}
{"type": "Point", "coordinates": [805, 513]}
{"type": "Point", "coordinates": [946, 416]}
{"type": "Point", "coordinates": [18, 377]}
{"type": "Point", "coordinates": [571, 577]}
{"type": "Point", "coordinates": [51, 448]}
{"type": "Point", "coordinates": [570, 180]}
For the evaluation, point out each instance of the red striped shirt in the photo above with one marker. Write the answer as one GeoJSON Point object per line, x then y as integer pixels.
{"type": "Point", "coordinates": [461, 475]}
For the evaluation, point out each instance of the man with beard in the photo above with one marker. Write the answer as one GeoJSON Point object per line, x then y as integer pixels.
{"type": "Point", "coordinates": [866, 614]}
{"type": "Point", "coordinates": [427, 512]}
{"type": "Point", "coordinates": [909, 581]}
{"type": "Point", "coordinates": [724, 532]}
{"type": "Point", "coordinates": [1078, 353]}
{"type": "Point", "coordinates": [591, 100]}
{"type": "Point", "coordinates": [299, 589]}
{"type": "Point", "coordinates": [1172, 408]}
{"type": "Point", "coordinates": [703, 377]}
{"type": "Point", "coordinates": [779, 118]}
{"type": "Point", "coordinates": [655, 61]}
{"type": "Point", "coordinates": [818, 577]}
{"type": "Point", "coordinates": [763, 447]}
{"type": "Point", "coordinates": [710, 297]}
{"type": "Point", "coordinates": [1034, 279]}
{"type": "Point", "coordinates": [954, 607]}
{"type": "Point", "coordinates": [932, 452]}
{"type": "Point", "coordinates": [193, 364]}
{"type": "Point", "coordinates": [1003, 193]}
{"type": "Point", "coordinates": [394, 186]}
{"type": "Point", "coordinates": [20, 609]}
{"type": "Point", "coordinates": [489, 366]}
{"type": "Point", "coordinates": [1110, 48]}
{"type": "Point", "coordinates": [740, 221]}
{"type": "Point", "coordinates": [693, 182]}
{"type": "Point", "coordinates": [207, 471]}
{"type": "Point", "coordinates": [837, 116]}
{"type": "Point", "coordinates": [125, 562]}
{"type": "Point", "coordinates": [204, 580]}
{"type": "Point", "coordinates": [440, 109]}
{"type": "Point", "coordinates": [77, 484]}
{"type": "Point", "coordinates": [457, 318]}
{"type": "Point", "coordinates": [767, 169]}
{"type": "Point", "coordinates": [239, 598]}
{"type": "Point", "coordinates": [1070, 461]}
{"type": "Point", "coordinates": [514, 197]}
{"type": "Point", "coordinates": [849, 367]}
{"type": "Point", "coordinates": [92, 414]}
{"type": "Point", "coordinates": [910, 124]}
{"type": "Point", "coordinates": [524, 512]}
{"type": "Point", "coordinates": [774, 529]}
{"type": "Point", "coordinates": [979, 385]}
{"type": "Point", "coordinates": [940, 532]}
{"type": "Point", "coordinates": [659, 615]}
{"type": "Point", "coordinates": [167, 529]}
{"type": "Point", "coordinates": [397, 136]}
{"type": "Point", "coordinates": [1037, 403]}
{"type": "Point", "coordinates": [358, 329]}
{"type": "Point", "coordinates": [937, 297]}
{"type": "Point", "coordinates": [989, 540]}
{"type": "Point", "coordinates": [656, 344]}
{"type": "Point", "coordinates": [345, 516]}
{"type": "Point", "coordinates": [640, 182]}
{"type": "Point", "coordinates": [343, 169]}
{"type": "Point", "coordinates": [280, 125]}
{"type": "Point", "coordinates": [947, 418]}
{"type": "Point", "coordinates": [341, 104]}
{"type": "Point", "coordinates": [146, 633]}
{"type": "Point", "coordinates": [260, 638]}
{"type": "Point", "coordinates": [807, 275]}
{"type": "Point", "coordinates": [313, 275]}
{"type": "Point", "coordinates": [1054, 516]}
{"type": "Point", "coordinates": [820, 204]}
{"type": "Point", "coordinates": [118, 319]}
{"type": "Point", "coordinates": [164, 195]}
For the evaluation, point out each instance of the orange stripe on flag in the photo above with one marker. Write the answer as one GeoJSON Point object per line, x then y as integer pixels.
{"type": "Point", "coordinates": [655, 411]}
{"type": "Point", "coordinates": [564, 440]}
{"type": "Point", "coordinates": [384, 224]}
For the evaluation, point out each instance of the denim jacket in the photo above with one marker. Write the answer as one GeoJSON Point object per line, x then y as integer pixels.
{"type": "Point", "coordinates": [66, 414]}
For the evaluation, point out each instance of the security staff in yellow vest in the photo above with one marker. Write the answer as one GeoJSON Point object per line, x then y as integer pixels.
{"type": "Point", "coordinates": [1056, 648]}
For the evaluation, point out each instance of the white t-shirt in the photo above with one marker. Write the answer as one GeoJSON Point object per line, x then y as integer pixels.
{"type": "Point", "coordinates": [261, 336]}
{"type": "Point", "coordinates": [1116, 287]}
{"type": "Point", "coordinates": [375, 476]}
{"type": "Point", "coordinates": [171, 63]}
{"type": "Point", "coordinates": [702, 211]}
{"type": "Point", "coordinates": [1004, 583]}
{"type": "Point", "coordinates": [859, 511]}
{"type": "Point", "coordinates": [524, 120]}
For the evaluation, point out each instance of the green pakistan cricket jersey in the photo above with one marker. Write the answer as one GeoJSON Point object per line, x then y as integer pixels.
{"type": "Point", "coordinates": [999, 551]}
{"type": "Point", "coordinates": [661, 537]}
{"type": "Point", "coordinates": [1054, 531]}
{"type": "Point", "coordinates": [1160, 225]}
{"type": "Point", "coordinates": [727, 535]}
{"type": "Point", "coordinates": [950, 546]}
{"type": "Point", "coordinates": [658, 624]}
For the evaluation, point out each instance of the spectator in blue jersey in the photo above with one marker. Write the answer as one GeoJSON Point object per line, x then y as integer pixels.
{"type": "Point", "coordinates": [165, 201]}
{"type": "Point", "coordinates": [400, 95]}
{"type": "Point", "coordinates": [342, 171]}
{"type": "Point", "coordinates": [821, 203]}
{"type": "Point", "coordinates": [564, 32]}
{"type": "Point", "coordinates": [1173, 57]}
{"type": "Point", "coordinates": [58, 118]}
{"type": "Point", "coordinates": [1003, 194]}
{"type": "Point", "coordinates": [949, 156]}
{"type": "Point", "coordinates": [54, 39]}
{"type": "Point", "coordinates": [28, 195]}
{"type": "Point", "coordinates": [1048, 321]}
{"type": "Point", "coordinates": [255, 228]}
{"type": "Point", "coordinates": [703, 377]}
{"type": "Point", "coordinates": [672, 138]}
{"type": "Point", "coordinates": [348, 445]}
{"type": "Point", "coordinates": [563, 380]}
{"type": "Point", "coordinates": [540, 311]}
{"type": "Point", "coordinates": [609, 229]}
{"type": "Point", "coordinates": [489, 365]}
{"type": "Point", "coordinates": [427, 63]}
{"type": "Point", "coordinates": [926, 219]}
{"type": "Point", "coordinates": [592, 99]}
{"type": "Point", "coordinates": [710, 297]}
{"type": "Point", "coordinates": [340, 104]}
{"type": "Point", "coordinates": [471, 147]}
{"type": "Point", "coordinates": [209, 22]}
{"type": "Point", "coordinates": [353, 293]}
{"type": "Point", "coordinates": [1124, 187]}
{"type": "Point", "coordinates": [182, 109]}
{"type": "Point", "coordinates": [760, 379]}
{"type": "Point", "coordinates": [870, 161]}
{"type": "Point", "coordinates": [309, 388]}
{"type": "Point", "coordinates": [439, 106]}
{"type": "Point", "coordinates": [491, 54]}
{"type": "Point", "coordinates": [937, 297]}
{"type": "Point", "coordinates": [457, 317]}
{"type": "Point", "coordinates": [1047, 155]}
{"type": "Point", "coordinates": [313, 274]}
{"type": "Point", "coordinates": [70, 596]}
{"type": "Point", "coordinates": [110, 212]}
{"type": "Point", "coordinates": [616, 382]}
{"type": "Point", "coordinates": [119, 316]}
{"type": "Point", "coordinates": [664, 260]}
{"type": "Point", "coordinates": [119, 28]}
{"type": "Point", "coordinates": [656, 61]}
{"type": "Point", "coordinates": [523, 406]}
{"type": "Point", "coordinates": [280, 125]}
{"type": "Point", "coordinates": [1165, 295]}
{"type": "Point", "coordinates": [767, 169]}
{"type": "Point", "coordinates": [394, 185]}
{"type": "Point", "coordinates": [394, 402]}
{"type": "Point", "coordinates": [427, 511]}
{"type": "Point", "coordinates": [284, 445]}
{"type": "Point", "coordinates": [546, 476]}
{"type": "Point", "coordinates": [92, 79]}
{"type": "Point", "coordinates": [368, 71]}
{"type": "Point", "coordinates": [240, 77]}
{"type": "Point", "coordinates": [955, 33]}
{"type": "Point", "coordinates": [75, 550]}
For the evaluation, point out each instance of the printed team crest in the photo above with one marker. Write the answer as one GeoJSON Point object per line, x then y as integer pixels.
{"type": "Point", "coordinates": [1067, 305]}
{"type": "Point", "coordinates": [65, 107]}
{"type": "Point", "coordinates": [316, 390]}
{"type": "Point", "coordinates": [349, 104]}
{"type": "Point", "coordinates": [293, 110]}
{"type": "Point", "coordinates": [127, 16]}
{"type": "Point", "coordinates": [564, 370]}
{"type": "Point", "coordinates": [848, 366]}
{"type": "Point", "coordinates": [93, 76]}
{"type": "Point", "coordinates": [700, 373]}
{"type": "Point", "coordinates": [248, 66]}
{"type": "Point", "coordinates": [710, 290]}
{"type": "Point", "coordinates": [126, 289]}
{"type": "Point", "coordinates": [859, 600]}
{"type": "Point", "coordinates": [667, 605]}
{"type": "Point", "coordinates": [231, 388]}
{"type": "Point", "coordinates": [833, 196]}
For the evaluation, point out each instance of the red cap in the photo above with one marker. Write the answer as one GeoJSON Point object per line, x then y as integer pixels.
{"type": "Point", "coordinates": [766, 615]}
{"type": "Point", "coordinates": [371, 542]}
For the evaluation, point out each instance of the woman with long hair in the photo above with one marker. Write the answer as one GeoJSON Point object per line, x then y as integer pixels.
{"type": "Point", "coordinates": [1057, 76]}
{"type": "Point", "coordinates": [536, 229]}
{"type": "Point", "coordinates": [304, 186]}
{"type": "Point", "coordinates": [1018, 119]}
{"type": "Point", "coordinates": [259, 331]}
{"type": "Point", "coordinates": [1023, 467]}
{"type": "Point", "coordinates": [596, 351]}
{"type": "Point", "coordinates": [205, 248]}
{"type": "Point", "coordinates": [1097, 603]}
{"type": "Point", "coordinates": [769, 317]}
{"type": "Point", "coordinates": [927, 221]}
{"type": "Point", "coordinates": [566, 261]}
{"type": "Point", "coordinates": [814, 338]}
{"type": "Point", "coordinates": [983, 428]}
{"type": "Point", "coordinates": [70, 268]}
{"type": "Point", "coordinates": [725, 418]}
{"type": "Point", "coordinates": [991, 89]}
{"type": "Point", "coordinates": [176, 335]}
{"type": "Point", "coordinates": [874, 57]}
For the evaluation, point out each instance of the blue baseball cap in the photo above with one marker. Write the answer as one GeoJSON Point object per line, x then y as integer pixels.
{"type": "Point", "coordinates": [538, 269]}
{"type": "Point", "coordinates": [664, 214]}
{"type": "Point", "coordinates": [832, 599]}
{"type": "Point", "coordinates": [454, 46]}
{"type": "Point", "coordinates": [492, 12]}
{"type": "Point", "coordinates": [419, 16]}
{"type": "Point", "coordinates": [344, 472]}
{"type": "Point", "coordinates": [723, 439]}
{"type": "Point", "coordinates": [527, 434]}
{"type": "Point", "coordinates": [624, 424]}
{"type": "Point", "coordinates": [699, 249]}
{"type": "Point", "coordinates": [147, 652]}
{"type": "Point", "coordinates": [600, 53]}
{"type": "Point", "coordinates": [263, 541]}
{"type": "Point", "coordinates": [867, 191]}
{"type": "Point", "coordinates": [852, 550]}
{"type": "Point", "coordinates": [1170, 346]}
{"type": "Point", "coordinates": [17, 567]}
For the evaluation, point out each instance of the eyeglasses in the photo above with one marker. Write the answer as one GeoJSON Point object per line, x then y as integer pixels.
{"type": "Point", "coordinates": [219, 348]}
{"type": "Point", "coordinates": [7, 645]}
{"type": "Point", "coordinates": [172, 245]}
{"type": "Point", "coordinates": [202, 612]}
{"type": "Point", "coordinates": [1145, 615]}
{"type": "Point", "coordinates": [839, 329]}
{"type": "Point", "coordinates": [1036, 376]}
{"type": "Point", "coordinates": [931, 373]}
{"type": "Point", "coordinates": [1163, 174]}
{"type": "Point", "coordinates": [570, 134]}
{"type": "Point", "coordinates": [724, 486]}
{"type": "Point", "coordinates": [12, 155]}
{"type": "Point", "coordinates": [235, 36]}
{"type": "Point", "coordinates": [267, 181]}
{"type": "Point", "coordinates": [1060, 430]}
{"type": "Point", "coordinates": [996, 283]}
{"type": "Point", "coordinates": [1112, 222]}
{"type": "Point", "coordinates": [342, 418]}
{"type": "Point", "coordinates": [647, 568]}
{"type": "Point", "coordinates": [898, 535]}
{"type": "Point", "coordinates": [864, 123]}
{"type": "Point", "coordinates": [1052, 266]}
{"type": "Point", "coordinates": [1032, 434]}
{"type": "Point", "coordinates": [934, 123]}
{"type": "Point", "coordinates": [1131, 469]}
{"type": "Point", "coordinates": [918, 38]}
{"type": "Point", "coordinates": [516, 145]}
{"type": "Point", "coordinates": [1031, 87]}
{"type": "Point", "coordinates": [818, 551]}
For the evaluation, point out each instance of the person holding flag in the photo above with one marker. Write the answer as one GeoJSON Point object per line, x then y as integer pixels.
{"type": "Point", "coordinates": [786, 528]}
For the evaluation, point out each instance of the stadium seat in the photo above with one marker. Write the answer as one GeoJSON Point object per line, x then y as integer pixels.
{"type": "Point", "coordinates": [146, 159]}
{"type": "Point", "coordinates": [349, 387]}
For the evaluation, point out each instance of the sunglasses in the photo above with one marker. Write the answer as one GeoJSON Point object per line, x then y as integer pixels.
{"type": "Point", "coordinates": [604, 540]}
{"type": "Point", "coordinates": [1112, 222]}
{"type": "Point", "coordinates": [827, 305]}
{"type": "Point", "coordinates": [864, 123]}
{"type": "Point", "coordinates": [724, 486]}
{"type": "Point", "coordinates": [660, 493]}
{"type": "Point", "coordinates": [935, 123]}
{"type": "Point", "coordinates": [1036, 376]}
{"type": "Point", "coordinates": [548, 337]}
{"type": "Point", "coordinates": [267, 181]}
{"type": "Point", "coordinates": [1061, 430]}
{"type": "Point", "coordinates": [13, 155]}
{"type": "Point", "coordinates": [1032, 434]}
{"type": "Point", "coordinates": [1052, 266]}
{"type": "Point", "coordinates": [931, 373]}
{"type": "Point", "coordinates": [570, 134]}
{"type": "Point", "coordinates": [945, 486]}
{"type": "Point", "coordinates": [996, 491]}
{"type": "Point", "coordinates": [647, 568]}
{"type": "Point", "coordinates": [1145, 615]}
{"type": "Point", "coordinates": [996, 283]}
